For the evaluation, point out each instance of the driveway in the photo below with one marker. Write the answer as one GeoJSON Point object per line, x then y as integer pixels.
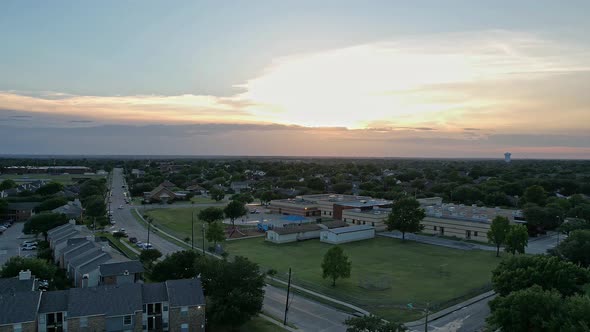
{"type": "Point", "coordinates": [10, 243]}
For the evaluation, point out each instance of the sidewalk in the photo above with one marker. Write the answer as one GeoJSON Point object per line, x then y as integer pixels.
{"type": "Point", "coordinates": [437, 315]}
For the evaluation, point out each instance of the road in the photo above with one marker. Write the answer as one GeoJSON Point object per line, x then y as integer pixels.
{"type": "Point", "coordinates": [303, 313]}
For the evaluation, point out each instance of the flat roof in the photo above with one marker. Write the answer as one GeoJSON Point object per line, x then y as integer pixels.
{"type": "Point", "coordinates": [469, 212]}
{"type": "Point", "coordinates": [296, 229]}
{"type": "Point", "coordinates": [350, 229]}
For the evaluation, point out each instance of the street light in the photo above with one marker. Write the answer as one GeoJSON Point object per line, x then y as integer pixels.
{"type": "Point", "coordinates": [203, 239]}
{"type": "Point", "coordinates": [558, 218]}
{"type": "Point", "coordinates": [149, 220]}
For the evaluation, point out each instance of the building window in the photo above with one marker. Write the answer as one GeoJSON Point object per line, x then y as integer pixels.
{"type": "Point", "coordinates": [17, 327]}
{"type": "Point", "coordinates": [127, 320]}
{"type": "Point", "coordinates": [83, 321]}
{"type": "Point", "coordinates": [184, 311]}
{"type": "Point", "coordinates": [54, 322]}
{"type": "Point", "coordinates": [184, 328]}
{"type": "Point", "coordinates": [373, 224]}
{"type": "Point", "coordinates": [144, 308]}
{"type": "Point", "coordinates": [165, 307]}
{"type": "Point", "coordinates": [474, 233]}
{"type": "Point", "coordinates": [435, 228]}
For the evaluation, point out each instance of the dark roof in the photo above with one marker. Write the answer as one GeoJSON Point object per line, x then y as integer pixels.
{"type": "Point", "coordinates": [350, 229]}
{"type": "Point", "coordinates": [23, 206]}
{"type": "Point", "coordinates": [296, 229]}
{"type": "Point", "coordinates": [19, 307]}
{"type": "Point", "coordinates": [95, 263]}
{"type": "Point", "coordinates": [110, 301]}
{"type": "Point", "coordinates": [78, 251]}
{"type": "Point", "coordinates": [185, 292]}
{"type": "Point", "coordinates": [13, 285]}
{"type": "Point", "coordinates": [335, 224]}
{"type": "Point", "coordinates": [167, 184]}
{"type": "Point", "coordinates": [59, 229]}
{"type": "Point", "coordinates": [54, 301]}
{"type": "Point", "coordinates": [154, 293]}
{"type": "Point", "coordinates": [114, 269]}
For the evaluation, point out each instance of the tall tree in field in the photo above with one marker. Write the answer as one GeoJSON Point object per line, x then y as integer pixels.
{"type": "Point", "coordinates": [535, 194]}
{"type": "Point", "coordinates": [148, 257]}
{"type": "Point", "coordinates": [405, 216]}
{"type": "Point", "coordinates": [7, 184]}
{"type": "Point", "coordinates": [234, 210]}
{"type": "Point", "coordinates": [211, 214]}
{"type": "Point", "coordinates": [498, 232]}
{"type": "Point", "coordinates": [336, 264]}
{"type": "Point", "coordinates": [517, 239]}
{"type": "Point", "coordinates": [215, 232]}
{"type": "Point", "coordinates": [217, 194]}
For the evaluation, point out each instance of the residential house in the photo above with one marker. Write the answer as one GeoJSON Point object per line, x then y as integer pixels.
{"type": "Point", "coordinates": [19, 211]}
{"type": "Point", "coordinates": [19, 302]}
{"type": "Point", "coordinates": [240, 186]}
{"type": "Point", "coordinates": [120, 273]}
{"type": "Point", "coordinates": [161, 193]}
{"type": "Point", "coordinates": [72, 209]}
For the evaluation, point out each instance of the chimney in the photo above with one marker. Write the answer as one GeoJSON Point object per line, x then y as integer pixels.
{"type": "Point", "coordinates": [85, 280]}
{"type": "Point", "coordinates": [72, 222]}
{"type": "Point", "coordinates": [126, 273]}
{"type": "Point", "coordinates": [24, 275]}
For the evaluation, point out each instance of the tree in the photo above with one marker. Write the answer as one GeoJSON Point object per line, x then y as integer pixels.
{"type": "Point", "coordinates": [316, 184]}
{"type": "Point", "coordinates": [372, 323]}
{"type": "Point", "coordinates": [535, 194]}
{"type": "Point", "coordinates": [342, 187]}
{"type": "Point", "coordinates": [216, 193]}
{"type": "Point", "coordinates": [178, 265]}
{"type": "Point", "coordinates": [235, 290]}
{"type": "Point", "coordinates": [244, 198]}
{"type": "Point", "coordinates": [3, 205]}
{"type": "Point", "coordinates": [531, 309]}
{"type": "Point", "coordinates": [234, 210]}
{"type": "Point", "coordinates": [211, 214]}
{"type": "Point", "coordinates": [521, 272]}
{"type": "Point", "coordinates": [95, 206]}
{"type": "Point", "coordinates": [573, 224]}
{"type": "Point", "coordinates": [577, 309]}
{"type": "Point", "coordinates": [406, 215]}
{"type": "Point", "coordinates": [336, 265]}
{"type": "Point", "coordinates": [266, 197]}
{"type": "Point", "coordinates": [51, 203]}
{"type": "Point", "coordinates": [498, 232]}
{"type": "Point", "coordinates": [215, 232]}
{"type": "Point", "coordinates": [50, 189]}
{"type": "Point", "coordinates": [43, 222]}
{"type": "Point", "coordinates": [517, 239]}
{"type": "Point", "coordinates": [576, 248]}
{"type": "Point", "coordinates": [38, 267]}
{"type": "Point", "coordinates": [148, 256]}
{"type": "Point", "coordinates": [7, 184]}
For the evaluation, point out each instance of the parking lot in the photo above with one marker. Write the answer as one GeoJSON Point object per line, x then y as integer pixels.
{"type": "Point", "coordinates": [10, 242]}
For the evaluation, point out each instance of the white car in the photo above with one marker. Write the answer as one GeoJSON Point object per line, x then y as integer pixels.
{"type": "Point", "coordinates": [29, 247]}
{"type": "Point", "coordinates": [120, 207]}
{"type": "Point", "coordinates": [29, 243]}
{"type": "Point", "coordinates": [146, 246]}
{"type": "Point", "coordinates": [139, 244]}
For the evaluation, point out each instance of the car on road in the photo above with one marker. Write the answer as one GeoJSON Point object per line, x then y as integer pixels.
{"type": "Point", "coordinates": [2, 229]}
{"type": "Point", "coordinates": [120, 207]}
{"type": "Point", "coordinates": [139, 244]}
{"type": "Point", "coordinates": [29, 247]}
{"type": "Point", "coordinates": [146, 246]}
{"type": "Point", "coordinates": [113, 221]}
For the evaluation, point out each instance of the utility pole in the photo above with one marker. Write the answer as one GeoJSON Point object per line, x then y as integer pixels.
{"type": "Point", "coordinates": [287, 302]}
{"type": "Point", "coordinates": [149, 220]}
{"type": "Point", "coordinates": [193, 226]}
{"type": "Point", "coordinates": [203, 239]}
{"type": "Point", "coordinates": [426, 319]}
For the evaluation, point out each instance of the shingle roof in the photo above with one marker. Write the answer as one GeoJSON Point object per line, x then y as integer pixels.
{"type": "Point", "coordinates": [19, 307]}
{"type": "Point", "coordinates": [112, 269]}
{"type": "Point", "coordinates": [22, 206]}
{"type": "Point", "coordinates": [79, 250]}
{"type": "Point", "coordinates": [110, 301]}
{"type": "Point", "coordinates": [154, 293]}
{"type": "Point", "coordinates": [59, 229]}
{"type": "Point", "coordinates": [95, 263]}
{"type": "Point", "coordinates": [84, 257]}
{"type": "Point", "coordinates": [185, 292]}
{"type": "Point", "coordinates": [54, 301]}
{"type": "Point", "coordinates": [13, 285]}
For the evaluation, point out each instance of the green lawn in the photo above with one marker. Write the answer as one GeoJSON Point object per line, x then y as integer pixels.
{"type": "Point", "coordinates": [202, 200]}
{"type": "Point", "coordinates": [117, 243]}
{"type": "Point", "coordinates": [260, 325]}
{"type": "Point", "coordinates": [62, 178]}
{"type": "Point", "coordinates": [177, 221]}
{"type": "Point", "coordinates": [386, 273]}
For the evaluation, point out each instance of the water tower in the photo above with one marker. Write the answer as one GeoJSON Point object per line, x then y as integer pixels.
{"type": "Point", "coordinates": [507, 156]}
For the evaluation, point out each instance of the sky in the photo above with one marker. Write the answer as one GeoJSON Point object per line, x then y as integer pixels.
{"type": "Point", "coordinates": [470, 79]}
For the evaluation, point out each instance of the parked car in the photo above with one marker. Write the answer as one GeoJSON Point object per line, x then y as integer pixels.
{"type": "Point", "coordinates": [120, 207]}
{"type": "Point", "coordinates": [113, 221]}
{"type": "Point", "coordinates": [139, 244]}
{"type": "Point", "coordinates": [29, 242]}
{"type": "Point", "coordinates": [146, 246]}
{"type": "Point", "coordinates": [133, 239]}
{"type": "Point", "coordinates": [30, 247]}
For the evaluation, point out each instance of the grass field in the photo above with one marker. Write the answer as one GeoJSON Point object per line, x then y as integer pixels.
{"type": "Point", "coordinates": [177, 221]}
{"type": "Point", "coordinates": [386, 273]}
{"type": "Point", "coordinates": [260, 325]}
{"type": "Point", "coordinates": [62, 178]}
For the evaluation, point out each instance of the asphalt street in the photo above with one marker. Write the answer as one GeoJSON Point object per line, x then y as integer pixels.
{"type": "Point", "coordinates": [305, 314]}
{"type": "Point", "coordinates": [10, 243]}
